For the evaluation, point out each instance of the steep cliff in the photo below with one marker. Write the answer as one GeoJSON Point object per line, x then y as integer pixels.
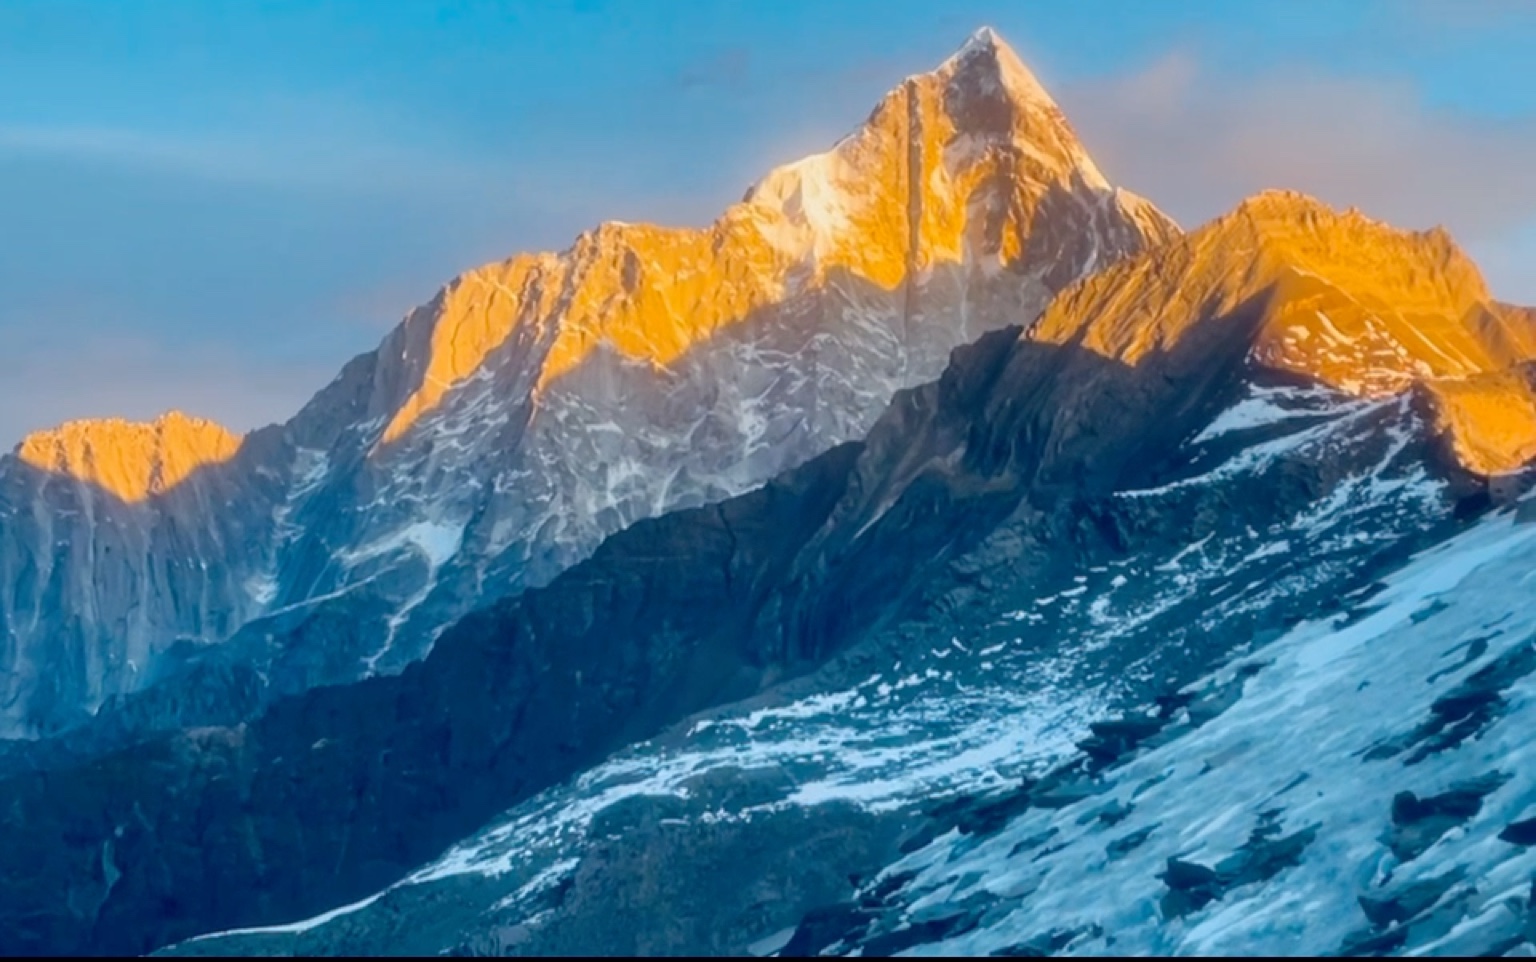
{"type": "Point", "coordinates": [1035, 468]}
{"type": "Point", "coordinates": [542, 403]}
{"type": "Point", "coordinates": [1045, 576]}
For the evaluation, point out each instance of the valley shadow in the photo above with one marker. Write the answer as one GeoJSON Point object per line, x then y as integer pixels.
{"type": "Point", "coordinates": [69, 546]}
{"type": "Point", "coordinates": [337, 792]}
{"type": "Point", "coordinates": [306, 639]}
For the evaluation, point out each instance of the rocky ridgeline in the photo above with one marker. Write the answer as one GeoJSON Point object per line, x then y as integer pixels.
{"type": "Point", "coordinates": [540, 404]}
{"type": "Point", "coordinates": [1203, 443]}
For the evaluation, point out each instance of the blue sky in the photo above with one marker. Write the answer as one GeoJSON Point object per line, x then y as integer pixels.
{"type": "Point", "coordinates": [211, 204]}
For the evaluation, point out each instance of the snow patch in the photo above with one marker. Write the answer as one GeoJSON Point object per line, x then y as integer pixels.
{"type": "Point", "coordinates": [436, 542]}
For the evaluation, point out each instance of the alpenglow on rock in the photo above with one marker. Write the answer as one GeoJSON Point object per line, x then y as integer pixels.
{"type": "Point", "coordinates": [1098, 574]}
{"type": "Point", "coordinates": [539, 404]}
{"type": "Point", "coordinates": [1070, 522]}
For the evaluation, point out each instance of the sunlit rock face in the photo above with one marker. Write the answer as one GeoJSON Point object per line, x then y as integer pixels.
{"type": "Point", "coordinates": [1342, 300]}
{"type": "Point", "coordinates": [1014, 567]}
{"type": "Point", "coordinates": [126, 460]}
{"type": "Point", "coordinates": [1134, 631]}
{"type": "Point", "coordinates": [539, 404]}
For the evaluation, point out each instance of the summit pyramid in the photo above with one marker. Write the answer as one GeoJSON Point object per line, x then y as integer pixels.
{"type": "Point", "coordinates": [539, 404]}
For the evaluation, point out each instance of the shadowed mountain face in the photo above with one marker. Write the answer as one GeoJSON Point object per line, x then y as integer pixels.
{"type": "Point", "coordinates": [958, 573]}
{"type": "Point", "coordinates": [671, 616]}
{"type": "Point", "coordinates": [1034, 463]}
{"type": "Point", "coordinates": [540, 404]}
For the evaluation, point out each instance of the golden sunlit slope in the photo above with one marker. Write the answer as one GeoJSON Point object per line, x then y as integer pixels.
{"type": "Point", "coordinates": [970, 169]}
{"type": "Point", "coordinates": [130, 460]}
{"type": "Point", "coordinates": [1491, 418]}
{"type": "Point", "coordinates": [1516, 326]}
{"type": "Point", "coordinates": [958, 166]}
{"type": "Point", "coordinates": [1351, 302]}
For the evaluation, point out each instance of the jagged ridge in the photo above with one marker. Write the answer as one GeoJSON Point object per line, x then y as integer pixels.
{"type": "Point", "coordinates": [130, 460]}
{"type": "Point", "coordinates": [1348, 301]}
{"type": "Point", "coordinates": [539, 404]}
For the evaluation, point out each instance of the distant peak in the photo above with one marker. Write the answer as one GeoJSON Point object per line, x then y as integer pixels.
{"type": "Point", "coordinates": [130, 459]}
{"type": "Point", "coordinates": [1276, 201]}
{"type": "Point", "coordinates": [171, 421]}
{"type": "Point", "coordinates": [1318, 237]}
{"type": "Point", "coordinates": [988, 57]}
{"type": "Point", "coordinates": [984, 39]}
{"type": "Point", "coordinates": [1292, 205]}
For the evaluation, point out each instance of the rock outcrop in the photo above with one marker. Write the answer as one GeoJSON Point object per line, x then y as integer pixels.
{"type": "Point", "coordinates": [1107, 434]}
{"type": "Point", "coordinates": [539, 404]}
{"type": "Point", "coordinates": [1349, 302]}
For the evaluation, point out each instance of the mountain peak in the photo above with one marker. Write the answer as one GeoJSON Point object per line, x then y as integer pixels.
{"type": "Point", "coordinates": [986, 55]}
{"type": "Point", "coordinates": [1278, 202]}
{"type": "Point", "coordinates": [1419, 283]}
{"type": "Point", "coordinates": [130, 459]}
{"type": "Point", "coordinates": [1417, 272]}
{"type": "Point", "coordinates": [991, 97]}
{"type": "Point", "coordinates": [983, 37]}
{"type": "Point", "coordinates": [985, 47]}
{"type": "Point", "coordinates": [948, 172]}
{"type": "Point", "coordinates": [1345, 300]}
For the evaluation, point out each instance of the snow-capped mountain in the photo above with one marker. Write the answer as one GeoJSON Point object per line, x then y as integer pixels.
{"type": "Point", "coordinates": [537, 405]}
{"type": "Point", "coordinates": [915, 743]}
{"type": "Point", "coordinates": [939, 553]}
{"type": "Point", "coordinates": [1259, 692]}
{"type": "Point", "coordinates": [1254, 687]}
{"type": "Point", "coordinates": [777, 721]}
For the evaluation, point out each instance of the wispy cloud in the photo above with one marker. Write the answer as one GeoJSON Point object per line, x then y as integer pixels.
{"type": "Point", "coordinates": [727, 67]}
{"type": "Point", "coordinates": [287, 159]}
{"type": "Point", "coordinates": [139, 378]}
{"type": "Point", "coordinates": [1197, 143]}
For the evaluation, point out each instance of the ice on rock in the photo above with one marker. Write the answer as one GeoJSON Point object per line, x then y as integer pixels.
{"type": "Point", "coordinates": [436, 542]}
{"type": "Point", "coordinates": [975, 711]}
{"type": "Point", "coordinates": [1298, 743]}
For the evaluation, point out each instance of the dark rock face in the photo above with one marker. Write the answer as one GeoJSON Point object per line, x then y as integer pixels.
{"type": "Point", "coordinates": [333, 794]}
{"type": "Point", "coordinates": [1468, 709]}
{"type": "Point", "coordinates": [1012, 456]}
{"type": "Point", "coordinates": [1418, 822]}
{"type": "Point", "coordinates": [204, 829]}
{"type": "Point", "coordinates": [764, 875]}
{"type": "Point", "coordinates": [636, 893]}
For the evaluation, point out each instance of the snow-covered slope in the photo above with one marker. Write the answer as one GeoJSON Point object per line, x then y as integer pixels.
{"type": "Point", "coordinates": [949, 711]}
{"type": "Point", "coordinates": [1364, 787]}
{"type": "Point", "coordinates": [1057, 557]}
{"type": "Point", "coordinates": [539, 404]}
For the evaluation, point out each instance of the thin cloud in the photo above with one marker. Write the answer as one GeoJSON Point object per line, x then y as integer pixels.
{"type": "Point", "coordinates": [1196, 144]}
{"type": "Point", "coordinates": [276, 159]}
{"type": "Point", "coordinates": [728, 67]}
{"type": "Point", "coordinates": [138, 379]}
